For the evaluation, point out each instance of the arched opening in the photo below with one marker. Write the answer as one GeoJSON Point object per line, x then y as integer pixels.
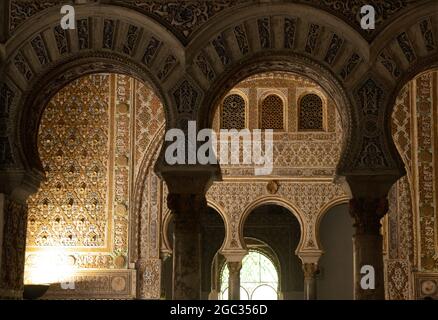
{"type": "Point", "coordinates": [274, 231]}
{"type": "Point", "coordinates": [212, 238]}
{"type": "Point", "coordinates": [335, 279]}
{"type": "Point", "coordinates": [259, 276]}
{"type": "Point", "coordinates": [271, 111]}
{"type": "Point", "coordinates": [310, 113]}
{"type": "Point", "coordinates": [264, 74]}
{"type": "Point", "coordinates": [94, 136]}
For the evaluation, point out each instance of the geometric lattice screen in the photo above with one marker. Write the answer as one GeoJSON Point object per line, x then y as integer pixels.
{"type": "Point", "coordinates": [233, 112]}
{"type": "Point", "coordinates": [271, 113]}
{"type": "Point", "coordinates": [310, 113]}
{"type": "Point", "coordinates": [70, 208]}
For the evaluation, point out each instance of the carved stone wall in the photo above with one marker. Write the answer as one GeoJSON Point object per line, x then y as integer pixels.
{"type": "Point", "coordinates": [193, 52]}
{"type": "Point", "coordinates": [313, 153]}
{"type": "Point", "coordinates": [198, 12]}
{"type": "Point", "coordinates": [412, 230]}
{"type": "Point", "coordinates": [94, 138]}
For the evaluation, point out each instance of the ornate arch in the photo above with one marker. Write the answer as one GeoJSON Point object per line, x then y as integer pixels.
{"type": "Point", "coordinates": [405, 48]}
{"type": "Point", "coordinates": [168, 218]}
{"type": "Point", "coordinates": [139, 214]}
{"type": "Point", "coordinates": [323, 212]}
{"type": "Point", "coordinates": [42, 58]}
{"type": "Point", "coordinates": [295, 63]}
{"type": "Point", "coordinates": [294, 210]}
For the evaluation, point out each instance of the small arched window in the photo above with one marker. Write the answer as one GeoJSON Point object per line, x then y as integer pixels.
{"type": "Point", "coordinates": [310, 115]}
{"type": "Point", "coordinates": [271, 113]}
{"type": "Point", "coordinates": [233, 112]}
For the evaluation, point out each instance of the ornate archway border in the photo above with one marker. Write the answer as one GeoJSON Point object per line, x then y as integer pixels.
{"type": "Point", "coordinates": [279, 201]}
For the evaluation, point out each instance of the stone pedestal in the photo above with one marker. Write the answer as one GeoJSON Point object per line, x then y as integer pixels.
{"type": "Point", "coordinates": [186, 210]}
{"type": "Point", "coordinates": [367, 246]}
{"type": "Point", "coordinates": [234, 280]}
{"type": "Point", "coordinates": [310, 272]}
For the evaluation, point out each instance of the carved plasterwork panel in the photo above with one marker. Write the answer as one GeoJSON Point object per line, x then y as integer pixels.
{"type": "Point", "coordinates": [426, 285]}
{"type": "Point", "coordinates": [186, 17]}
{"type": "Point", "coordinates": [399, 283]}
{"type": "Point", "coordinates": [21, 10]}
{"type": "Point", "coordinates": [306, 199]}
{"type": "Point", "coordinates": [108, 284]}
{"type": "Point", "coordinates": [12, 260]}
{"type": "Point", "coordinates": [426, 175]}
{"type": "Point", "coordinates": [313, 153]}
{"type": "Point", "coordinates": [71, 207]}
{"type": "Point", "coordinates": [349, 11]}
{"type": "Point", "coordinates": [96, 136]}
{"type": "Point", "coordinates": [149, 119]}
{"type": "Point", "coordinates": [412, 228]}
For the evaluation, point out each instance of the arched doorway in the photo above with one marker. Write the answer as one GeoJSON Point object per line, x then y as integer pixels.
{"type": "Point", "coordinates": [259, 276]}
{"type": "Point", "coordinates": [212, 238]}
{"type": "Point", "coordinates": [274, 232]}
{"type": "Point", "coordinates": [335, 280]}
{"type": "Point", "coordinates": [92, 144]}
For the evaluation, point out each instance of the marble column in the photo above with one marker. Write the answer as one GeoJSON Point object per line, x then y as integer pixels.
{"type": "Point", "coordinates": [234, 268]}
{"type": "Point", "coordinates": [310, 272]}
{"type": "Point", "coordinates": [187, 210]}
{"type": "Point", "coordinates": [13, 222]}
{"type": "Point", "coordinates": [215, 279]}
{"type": "Point", "coordinates": [367, 247]}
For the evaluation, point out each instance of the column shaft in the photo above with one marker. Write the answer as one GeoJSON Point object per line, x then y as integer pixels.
{"type": "Point", "coordinates": [187, 210]}
{"type": "Point", "coordinates": [234, 280]}
{"type": "Point", "coordinates": [367, 246]}
{"type": "Point", "coordinates": [310, 272]}
{"type": "Point", "coordinates": [13, 222]}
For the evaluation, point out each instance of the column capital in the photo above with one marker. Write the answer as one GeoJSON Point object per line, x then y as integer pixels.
{"type": "Point", "coordinates": [310, 270]}
{"type": "Point", "coordinates": [234, 266]}
{"type": "Point", "coordinates": [310, 256]}
{"type": "Point", "coordinates": [181, 203]}
{"type": "Point", "coordinates": [191, 179]}
{"type": "Point", "coordinates": [367, 213]}
{"type": "Point", "coordinates": [234, 255]}
{"type": "Point", "coordinates": [370, 186]}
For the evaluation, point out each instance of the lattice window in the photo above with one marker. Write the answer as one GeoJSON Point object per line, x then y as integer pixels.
{"type": "Point", "coordinates": [271, 113]}
{"type": "Point", "coordinates": [310, 113]}
{"type": "Point", "coordinates": [233, 112]}
{"type": "Point", "coordinates": [258, 278]}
